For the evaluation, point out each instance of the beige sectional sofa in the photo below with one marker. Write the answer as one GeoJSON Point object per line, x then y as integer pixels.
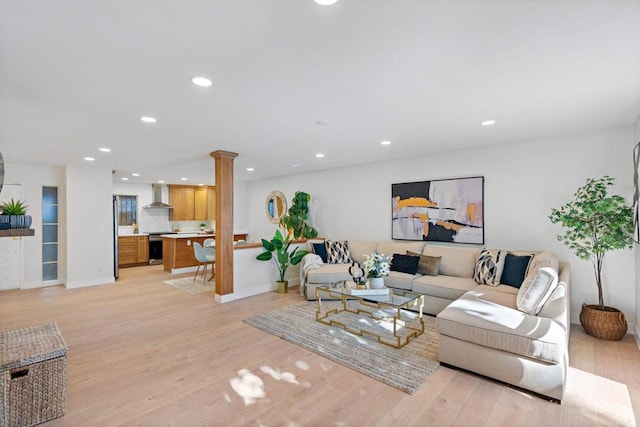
{"type": "Point", "coordinates": [480, 327]}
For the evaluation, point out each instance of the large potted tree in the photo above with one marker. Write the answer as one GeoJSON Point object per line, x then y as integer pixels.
{"type": "Point", "coordinates": [277, 249]}
{"type": "Point", "coordinates": [596, 223]}
{"type": "Point", "coordinates": [296, 219]}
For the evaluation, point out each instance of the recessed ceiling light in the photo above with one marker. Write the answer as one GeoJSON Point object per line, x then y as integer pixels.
{"type": "Point", "coordinates": [326, 2]}
{"type": "Point", "coordinates": [250, 169]}
{"type": "Point", "coordinates": [183, 179]}
{"type": "Point", "coordinates": [295, 165]}
{"type": "Point", "coordinates": [124, 178]}
{"type": "Point", "coordinates": [105, 150]}
{"type": "Point", "coordinates": [201, 185]}
{"type": "Point", "coordinates": [135, 174]}
{"type": "Point", "coordinates": [323, 122]}
{"type": "Point", "coordinates": [89, 159]}
{"type": "Point", "coordinates": [201, 81]}
{"type": "Point", "coordinates": [160, 181]}
{"type": "Point", "coordinates": [385, 142]}
{"type": "Point", "coordinates": [319, 155]}
{"type": "Point", "coordinates": [148, 119]}
{"type": "Point", "coordinates": [488, 123]}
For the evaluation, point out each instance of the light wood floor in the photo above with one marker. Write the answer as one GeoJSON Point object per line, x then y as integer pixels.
{"type": "Point", "coordinates": [144, 353]}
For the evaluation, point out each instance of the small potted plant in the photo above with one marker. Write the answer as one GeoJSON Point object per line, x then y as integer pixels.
{"type": "Point", "coordinates": [203, 226]}
{"type": "Point", "coordinates": [376, 266]}
{"type": "Point", "coordinates": [15, 213]}
{"type": "Point", "coordinates": [278, 249]}
{"type": "Point", "coordinates": [595, 224]}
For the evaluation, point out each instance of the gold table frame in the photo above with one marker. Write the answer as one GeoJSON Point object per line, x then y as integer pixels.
{"type": "Point", "coordinates": [397, 300]}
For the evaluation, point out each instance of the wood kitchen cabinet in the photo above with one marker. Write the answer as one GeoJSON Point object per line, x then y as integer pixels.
{"type": "Point", "coordinates": [192, 203]}
{"type": "Point", "coordinates": [133, 250]}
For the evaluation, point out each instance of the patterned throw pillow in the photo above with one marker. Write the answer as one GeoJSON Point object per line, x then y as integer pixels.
{"type": "Point", "coordinates": [489, 267]}
{"type": "Point", "coordinates": [338, 252]}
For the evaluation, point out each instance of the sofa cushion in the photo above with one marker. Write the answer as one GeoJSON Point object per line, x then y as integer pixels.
{"type": "Point", "coordinates": [398, 280]}
{"type": "Point", "coordinates": [458, 262]}
{"type": "Point", "coordinates": [338, 252]}
{"type": "Point", "coordinates": [405, 263]}
{"type": "Point", "coordinates": [489, 267]}
{"type": "Point", "coordinates": [488, 318]}
{"type": "Point", "coordinates": [535, 290]}
{"type": "Point", "coordinates": [359, 250]}
{"type": "Point", "coordinates": [320, 249]}
{"type": "Point", "coordinates": [448, 287]}
{"type": "Point", "coordinates": [329, 273]}
{"type": "Point", "coordinates": [427, 264]}
{"type": "Point", "coordinates": [515, 269]}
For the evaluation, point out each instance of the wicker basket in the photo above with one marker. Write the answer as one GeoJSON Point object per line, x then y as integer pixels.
{"type": "Point", "coordinates": [607, 324]}
{"type": "Point", "coordinates": [33, 375]}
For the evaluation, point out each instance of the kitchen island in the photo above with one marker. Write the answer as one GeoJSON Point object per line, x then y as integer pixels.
{"type": "Point", "coordinates": [177, 250]}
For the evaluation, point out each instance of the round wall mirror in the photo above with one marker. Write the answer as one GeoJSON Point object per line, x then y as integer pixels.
{"type": "Point", "coordinates": [276, 206]}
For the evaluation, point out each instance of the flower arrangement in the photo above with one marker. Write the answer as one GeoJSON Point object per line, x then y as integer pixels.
{"type": "Point", "coordinates": [376, 265]}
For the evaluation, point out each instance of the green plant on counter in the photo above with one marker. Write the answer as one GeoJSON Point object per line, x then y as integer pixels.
{"type": "Point", "coordinates": [595, 223]}
{"type": "Point", "coordinates": [278, 250]}
{"type": "Point", "coordinates": [14, 207]}
{"type": "Point", "coordinates": [296, 219]}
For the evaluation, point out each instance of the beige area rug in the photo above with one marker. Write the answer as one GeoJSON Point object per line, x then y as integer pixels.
{"type": "Point", "coordinates": [187, 284]}
{"type": "Point", "coordinates": [405, 369]}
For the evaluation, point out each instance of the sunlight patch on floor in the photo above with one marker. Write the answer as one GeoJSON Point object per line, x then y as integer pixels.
{"type": "Point", "coordinates": [251, 388]}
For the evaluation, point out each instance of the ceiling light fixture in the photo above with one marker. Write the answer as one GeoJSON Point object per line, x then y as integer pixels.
{"type": "Point", "coordinates": [105, 150]}
{"type": "Point", "coordinates": [323, 122]}
{"type": "Point", "coordinates": [488, 123]}
{"type": "Point", "coordinates": [201, 185]}
{"type": "Point", "coordinates": [319, 155]}
{"type": "Point", "coordinates": [89, 159]}
{"type": "Point", "coordinates": [183, 179]}
{"type": "Point", "coordinates": [326, 2]}
{"type": "Point", "coordinates": [135, 174]}
{"type": "Point", "coordinates": [201, 81]}
{"type": "Point", "coordinates": [124, 178]}
{"type": "Point", "coordinates": [295, 165]}
{"type": "Point", "coordinates": [160, 181]}
{"type": "Point", "coordinates": [148, 119]}
{"type": "Point", "coordinates": [385, 142]}
{"type": "Point", "coordinates": [250, 169]}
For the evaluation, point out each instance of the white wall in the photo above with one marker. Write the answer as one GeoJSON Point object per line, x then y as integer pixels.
{"type": "Point", "coordinates": [523, 182]}
{"type": "Point", "coordinates": [89, 225]}
{"type": "Point", "coordinates": [636, 250]}
{"type": "Point", "coordinates": [32, 178]}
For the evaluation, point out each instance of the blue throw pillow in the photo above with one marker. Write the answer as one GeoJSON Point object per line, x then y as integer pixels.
{"type": "Point", "coordinates": [515, 269]}
{"type": "Point", "coordinates": [405, 263]}
{"type": "Point", "coordinates": [320, 250]}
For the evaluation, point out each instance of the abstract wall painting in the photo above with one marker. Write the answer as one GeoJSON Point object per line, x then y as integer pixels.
{"type": "Point", "coordinates": [445, 210]}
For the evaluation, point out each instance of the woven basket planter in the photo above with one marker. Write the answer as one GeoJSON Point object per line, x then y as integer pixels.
{"type": "Point", "coordinates": [607, 324]}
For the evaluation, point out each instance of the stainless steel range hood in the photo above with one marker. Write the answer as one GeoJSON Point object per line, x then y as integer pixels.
{"type": "Point", "coordinates": [157, 199]}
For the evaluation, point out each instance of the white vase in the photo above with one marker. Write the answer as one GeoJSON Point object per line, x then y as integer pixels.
{"type": "Point", "coordinates": [376, 282]}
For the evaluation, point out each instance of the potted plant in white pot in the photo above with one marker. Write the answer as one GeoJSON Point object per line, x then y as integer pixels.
{"type": "Point", "coordinates": [596, 223]}
{"type": "Point", "coordinates": [277, 249]}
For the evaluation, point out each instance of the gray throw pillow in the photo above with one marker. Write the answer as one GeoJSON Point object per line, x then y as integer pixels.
{"type": "Point", "coordinates": [427, 265]}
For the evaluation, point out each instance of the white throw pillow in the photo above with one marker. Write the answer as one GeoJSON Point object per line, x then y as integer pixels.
{"type": "Point", "coordinates": [536, 290]}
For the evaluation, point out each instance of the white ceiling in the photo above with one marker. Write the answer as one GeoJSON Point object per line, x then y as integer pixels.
{"type": "Point", "coordinates": [76, 75]}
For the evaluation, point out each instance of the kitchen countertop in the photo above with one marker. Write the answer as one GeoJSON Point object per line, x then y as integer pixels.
{"type": "Point", "coordinates": [187, 235]}
{"type": "Point", "coordinates": [133, 235]}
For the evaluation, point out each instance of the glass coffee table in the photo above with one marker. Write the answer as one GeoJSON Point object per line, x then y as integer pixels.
{"type": "Point", "coordinates": [393, 319]}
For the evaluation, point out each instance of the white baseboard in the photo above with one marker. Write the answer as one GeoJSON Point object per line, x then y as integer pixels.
{"type": "Point", "coordinates": [184, 270]}
{"type": "Point", "coordinates": [90, 282]}
{"type": "Point", "coordinates": [255, 290]}
{"type": "Point", "coordinates": [34, 285]}
{"type": "Point", "coordinates": [636, 335]}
